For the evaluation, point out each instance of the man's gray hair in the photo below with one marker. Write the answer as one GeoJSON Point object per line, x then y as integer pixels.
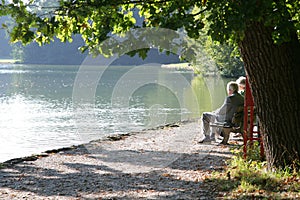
{"type": "Point", "coordinates": [232, 85]}
{"type": "Point", "coordinates": [241, 80]}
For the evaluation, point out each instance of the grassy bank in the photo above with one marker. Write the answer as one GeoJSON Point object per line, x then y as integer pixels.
{"type": "Point", "coordinates": [250, 179]}
{"type": "Point", "coordinates": [8, 61]}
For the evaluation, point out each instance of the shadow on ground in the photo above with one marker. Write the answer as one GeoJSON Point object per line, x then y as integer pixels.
{"type": "Point", "coordinates": [71, 175]}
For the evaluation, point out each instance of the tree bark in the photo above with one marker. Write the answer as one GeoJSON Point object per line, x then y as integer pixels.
{"type": "Point", "coordinates": [274, 75]}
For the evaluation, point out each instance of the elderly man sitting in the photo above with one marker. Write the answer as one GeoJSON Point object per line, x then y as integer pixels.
{"type": "Point", "coordinates": [224, 113]}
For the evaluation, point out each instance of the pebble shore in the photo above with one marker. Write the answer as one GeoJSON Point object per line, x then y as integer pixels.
{"type": "Point", "coordinates": [162, 163]}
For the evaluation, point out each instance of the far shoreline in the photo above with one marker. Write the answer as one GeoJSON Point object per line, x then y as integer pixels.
{"type": "Point", "coordinates": [9, 61]}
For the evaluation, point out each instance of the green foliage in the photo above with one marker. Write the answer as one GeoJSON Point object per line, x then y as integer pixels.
{"type": "Point", "coordinates": [250, 177]}
{"type": "Point", "coordinates": [2, 165]}
{"type": "Point", "coordinates": [40, 21]}
{"type": "Point", "coordinates": [227, 60]}
{"type": "Point", "coordinates": [225, 21]}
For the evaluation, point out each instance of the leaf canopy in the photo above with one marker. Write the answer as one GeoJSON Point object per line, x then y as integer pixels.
{"type": "Point", "coordinates": [40, 21]}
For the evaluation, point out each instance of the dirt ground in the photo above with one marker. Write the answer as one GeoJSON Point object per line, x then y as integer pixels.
{"type": "Point", "coordinates": [163, 163]}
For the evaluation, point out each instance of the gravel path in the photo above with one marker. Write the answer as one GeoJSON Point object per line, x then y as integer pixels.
{"type": "Point", "coordinates": [165, 163]}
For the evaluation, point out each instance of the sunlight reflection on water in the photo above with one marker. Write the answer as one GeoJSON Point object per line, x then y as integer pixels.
{"type": "Point", "coordinates": [37, 112]}
{"type": "Point", "coordinates": [30, 126]}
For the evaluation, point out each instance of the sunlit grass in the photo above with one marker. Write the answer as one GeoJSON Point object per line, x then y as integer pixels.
{"type": "Point", "coordinates": [249, 178]}
{"type": "Point", "coordinates": [2, 61]}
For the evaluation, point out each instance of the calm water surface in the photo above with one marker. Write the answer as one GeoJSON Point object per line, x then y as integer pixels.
{"type": "Point", "coordinates": [39, 111]}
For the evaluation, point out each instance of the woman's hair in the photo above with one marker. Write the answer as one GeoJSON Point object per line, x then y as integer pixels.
{"type": "Point", "coordinates": [241, 80]}
{"type": "Point", "coordinates": [232, 85]}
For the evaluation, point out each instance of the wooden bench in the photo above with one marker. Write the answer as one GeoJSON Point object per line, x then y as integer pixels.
{"type": "Point", "coordinates": [236, 125]}
{"type": "Point", "coordinates": [251, 128]}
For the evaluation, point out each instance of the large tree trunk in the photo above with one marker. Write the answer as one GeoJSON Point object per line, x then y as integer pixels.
{"type": "Point", "coordinates": [274, 77]}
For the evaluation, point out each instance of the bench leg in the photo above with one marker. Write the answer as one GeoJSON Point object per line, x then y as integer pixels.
{"type": "Point", "coordinates": [226, 132]}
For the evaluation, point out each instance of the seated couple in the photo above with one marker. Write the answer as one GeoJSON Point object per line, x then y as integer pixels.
{"type": "Point", "coordinates": [225, 113]}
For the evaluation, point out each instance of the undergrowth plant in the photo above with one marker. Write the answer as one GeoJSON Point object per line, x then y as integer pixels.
{"type": "Point", "coordinates": [250, 177]}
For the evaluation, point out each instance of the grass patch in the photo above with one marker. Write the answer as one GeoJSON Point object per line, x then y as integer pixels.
{"type": "Point", "coordinates": [2, 166]}
{"type": "Point", "coordinates": [250, 179]}
{"type": "Point", "coordinates": [5, 61]}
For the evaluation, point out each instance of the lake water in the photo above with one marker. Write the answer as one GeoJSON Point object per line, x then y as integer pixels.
{"type": "Point", "coordinates": [47, 107]}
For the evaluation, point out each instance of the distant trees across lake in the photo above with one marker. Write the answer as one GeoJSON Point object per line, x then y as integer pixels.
{"type": "Point", "coordinates": [69, 54]}
{"type": "Point", "coordinates": [5, 47]}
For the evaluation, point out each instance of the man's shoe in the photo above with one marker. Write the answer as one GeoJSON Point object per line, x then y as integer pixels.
{"type": "Point", "coordinates": [206, 139]}
{"type": "Point", "coordinates": [201, 141]}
